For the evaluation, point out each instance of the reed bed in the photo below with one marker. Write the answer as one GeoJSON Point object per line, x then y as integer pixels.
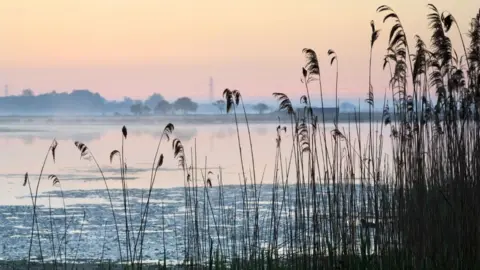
{"type": "Point", "coordinates": [337, 199]}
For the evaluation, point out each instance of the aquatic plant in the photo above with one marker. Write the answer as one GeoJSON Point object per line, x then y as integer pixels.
{"type": "Point", "coordinates": [338, 200]}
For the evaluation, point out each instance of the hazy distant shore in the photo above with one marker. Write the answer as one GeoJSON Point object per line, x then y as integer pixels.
{"type": "Point", "coordinates": [178, 119]}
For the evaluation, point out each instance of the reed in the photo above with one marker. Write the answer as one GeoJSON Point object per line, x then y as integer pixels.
{"type": "Point", "coordinates": [338, 198]}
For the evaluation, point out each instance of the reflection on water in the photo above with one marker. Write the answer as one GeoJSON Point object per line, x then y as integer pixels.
{"type": "Point", "coordinates": [214, 146]}
{"type": "Point", "coordinates": [207, 147]}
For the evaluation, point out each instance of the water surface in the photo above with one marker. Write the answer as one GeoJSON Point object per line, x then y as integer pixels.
{"type": "Point", "coordinates": [208, 147]}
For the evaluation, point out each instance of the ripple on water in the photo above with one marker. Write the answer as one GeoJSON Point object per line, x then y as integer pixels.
{"type": "Point", "coordinates": [96, 233]}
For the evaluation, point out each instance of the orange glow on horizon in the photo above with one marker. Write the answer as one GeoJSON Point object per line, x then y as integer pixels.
{"type": "Point", "coordinates": [133, 48]}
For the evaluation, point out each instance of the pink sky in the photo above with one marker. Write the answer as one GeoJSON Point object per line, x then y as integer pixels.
{"type": "Point", "coordinates": [134, 48]}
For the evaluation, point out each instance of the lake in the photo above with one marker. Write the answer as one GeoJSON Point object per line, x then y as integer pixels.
{"type": "Point", "coordinates": [24, 146]}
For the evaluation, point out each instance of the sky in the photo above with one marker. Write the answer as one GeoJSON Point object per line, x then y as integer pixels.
{"type": "Point", "coordinates": [134, 48]}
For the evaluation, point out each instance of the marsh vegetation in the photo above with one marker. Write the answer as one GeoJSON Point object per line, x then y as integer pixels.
{"type": "Point", "coordinates": [336, 200]}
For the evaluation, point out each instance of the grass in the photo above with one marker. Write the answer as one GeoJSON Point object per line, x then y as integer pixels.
{"type": "Point", "coordinates": [338, 201]}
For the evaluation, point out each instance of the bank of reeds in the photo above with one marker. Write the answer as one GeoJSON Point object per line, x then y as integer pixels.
{"type": "Point", "coordinates": [338, 199]}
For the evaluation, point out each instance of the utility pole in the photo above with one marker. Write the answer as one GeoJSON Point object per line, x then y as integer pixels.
{"type": "Point", "coordinates": [211, 90]}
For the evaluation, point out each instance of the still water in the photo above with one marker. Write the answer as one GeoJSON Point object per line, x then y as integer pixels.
{"type": "Point", "coordinates": [91, 236]}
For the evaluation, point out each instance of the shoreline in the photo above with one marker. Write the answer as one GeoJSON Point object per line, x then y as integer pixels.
{"type": "Point", "coordinates": [181, 119]}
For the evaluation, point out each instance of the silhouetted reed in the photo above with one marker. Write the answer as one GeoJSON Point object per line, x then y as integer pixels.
{"type": "Point", "coordinates": [338, 199]}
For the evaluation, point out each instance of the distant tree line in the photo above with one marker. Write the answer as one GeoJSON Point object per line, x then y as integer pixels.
{"type": "Point", "coordinates": [76, 101]}
{"type": "Point", "coordinates": [87, 102]}
{"type": "Point", "coordinates": [259, 107]}
{"type": "Point", "coordinates": [183, 105]}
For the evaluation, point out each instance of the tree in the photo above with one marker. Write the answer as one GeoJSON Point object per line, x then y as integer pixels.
{"type": "Point", "coordinates": [153, 100]}
{"type": "Point", "coordinates": [146, 109]}
{"type": "Point", "coordinates": [185, 104]}
{"type": "Point", "coordinates": [128, 101]}
{"type": "Point", "coordinates": [163, 107]}
{"type": "Point", "coordinates": [260, 108]}
{"type": "Point", "coordinates": [136, 108]}
{"type": "Point", "coordinates": [27, 93]}
{"type": "Point", "coordinates": [347, 107]}
{"type": "Point", "coordinates": [220, 104]}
